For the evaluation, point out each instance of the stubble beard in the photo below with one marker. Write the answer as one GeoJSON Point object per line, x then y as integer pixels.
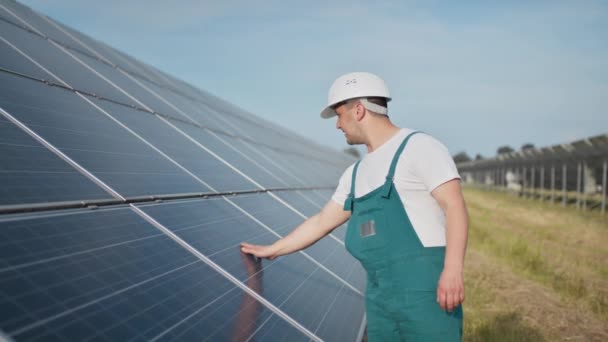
{"type": "Point", "coordinates": [352, 141]}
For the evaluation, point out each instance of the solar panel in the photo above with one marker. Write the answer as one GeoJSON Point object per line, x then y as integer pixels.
{"type": "Point", "coordinates": [571, 153]}
{"type": "Point", "coordinates": [92, 139]}
{"type": "Point", "coordinates": [24, 17]}
{"type": "Point", "coordinates": [179, 148]}
{"type": "Point", "coordinates": [304, 201]}
{"type": "Point", "coordinates": [62, 67]}
{"type": "Point", "coordinates": [108, 274]}
{"type": "Point", "coordinates": [126, 192]}
{"type": "Point", "coordinates": [223, 146]}
{"type": "Point", "coordinates": [30, 173]}
{"type": "Point", "coordinates": [293, 283]}
{"type": "Point", "coordinates": [11, 58]}
{"type": "Point", "coordinates": [329, 252]}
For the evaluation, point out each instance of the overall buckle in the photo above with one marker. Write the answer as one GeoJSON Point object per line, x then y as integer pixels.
{"type": "Point", "coordinates": [386, 188]}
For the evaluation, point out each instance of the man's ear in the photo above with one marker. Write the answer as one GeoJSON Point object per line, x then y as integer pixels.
{"type": "Point", "coordinates": [361, 111]}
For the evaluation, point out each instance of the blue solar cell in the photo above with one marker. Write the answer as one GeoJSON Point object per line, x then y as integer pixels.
{"type": "Point", "coordinates": [72, 39]}
{"type": "Point", "coordinates": [320, 172]}
{"type": "Point", "coordinates": [13, 60]}
{"type": "Point", "coordinates": [224, 121]}
{"type": "Point", "coordinates": [96, 48]}
{"type": "Point", "coordinates": [140, 70]}
{"type": "Point", "coordinates": [303, 201]}
{"type": "Point", "coordinates": [277, 167]}
{"type": "Point", "coordinates": [145, 98]}
{"type": "Point", "coordinates": [308, 170]}
{"type": "Point", "coordinates": [178, 147]}
{"type": "Point", "coordinates": [195, 111]}
{"type": "Point", "coordinates": [323, 195]}
{"type": "Point", "coordinates": [223, 146]}
{"type": "Point", "coordinates": [309, 202]}
{"type": "Point", "coordinates": [20, 14]}
{"type": "Point", "coordinates": [110, 275]}
{"type": "Point", "coordinates": [340, 232]}
{"type": "Point", "coordinates": [247, 125]}
{"type": "Point", "coordinates": [327, 251]}
{"type": "Point", "coordinates": [293, 283]}
{"type": "Point", "coordinates": [275, 329]}
{"type": "Point", "coordinates": [30, 173]}
{"type": "Point", "coordinates": [93, 140]}
{"type": "Point", "coordinates": [347, 311]}
{"type": "Point", "coordinates": [59, 63]}
{"type": "Point", "coordinates": [284, 162]}
{"type": "Point", "coordinates": [55, 30]}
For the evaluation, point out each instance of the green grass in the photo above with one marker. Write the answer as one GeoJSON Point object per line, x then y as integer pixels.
{"type": "Point", "coordinates": [486, 319]}
{"type": "Point", "coordinates": [545, 194]}
{"type": "Point", "coordinates": [561, 249]}
{"type": "Point", "coordinates": [504, 327]}
{"type": "Point", "coordinates": [525, 258]}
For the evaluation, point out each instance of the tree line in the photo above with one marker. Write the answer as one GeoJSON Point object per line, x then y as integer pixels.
{"type": "Point", "coordinates": [462, 157]}
{"type": "Point", "coordinates": [459, 157]}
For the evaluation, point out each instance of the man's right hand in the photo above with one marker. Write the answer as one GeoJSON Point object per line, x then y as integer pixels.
{"type": "Point", "coordinates": [267, 252]}
{"type": "Point", "coordinates": [307, 233]}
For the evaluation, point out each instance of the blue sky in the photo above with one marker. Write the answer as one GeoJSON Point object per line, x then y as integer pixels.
{"type": "Point", "coordinates": [475, 74]}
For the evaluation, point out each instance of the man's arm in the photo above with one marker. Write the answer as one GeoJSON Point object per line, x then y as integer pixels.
{"type": "Point", "coordinates": [309, 232]}
{"type": "Point", "coordinates": [450, 290]}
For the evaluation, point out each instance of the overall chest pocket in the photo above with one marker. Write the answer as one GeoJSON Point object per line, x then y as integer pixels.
{"type": "Point", "coordinates": [368, 230]}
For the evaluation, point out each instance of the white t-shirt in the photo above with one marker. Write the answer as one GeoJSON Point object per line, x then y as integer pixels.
{"type": "Point", "coordinates": [424, 164]}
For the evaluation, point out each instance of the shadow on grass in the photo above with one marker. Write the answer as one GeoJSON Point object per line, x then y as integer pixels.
{"type": "Point", "coordinates": [504, 327]}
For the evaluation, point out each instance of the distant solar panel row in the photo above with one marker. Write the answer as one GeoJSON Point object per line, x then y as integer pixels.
{"type": "Point", "coordinates": [159, 182]}
{"type": "Point", "coordinates": [595, 147]}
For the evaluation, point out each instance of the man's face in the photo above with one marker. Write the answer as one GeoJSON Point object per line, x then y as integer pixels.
{"type": "Point", "coordinates": [347, 122]}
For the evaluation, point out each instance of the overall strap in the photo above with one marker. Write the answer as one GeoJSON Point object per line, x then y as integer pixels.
{"type": "Point", "coordinates": [348, 204]}
{"type": "Point", "coordinates": [388, 183]}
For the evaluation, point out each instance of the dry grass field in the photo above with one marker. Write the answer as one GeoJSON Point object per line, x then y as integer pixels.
{"type": "Point", "coordinates": [534, 271]}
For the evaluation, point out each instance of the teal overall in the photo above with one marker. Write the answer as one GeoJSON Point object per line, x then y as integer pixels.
{"type": "Point", "coordinates": [402, 274]}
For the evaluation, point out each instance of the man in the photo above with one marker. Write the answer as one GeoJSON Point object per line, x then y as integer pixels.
{"type": "Point", "coordinates": [407, 219]}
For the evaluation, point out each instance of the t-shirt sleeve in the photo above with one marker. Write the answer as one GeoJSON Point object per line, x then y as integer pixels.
{"type": "Point", "coordinates": [343, 188]}
{"type": "Point", "coordinates": [433, 162]}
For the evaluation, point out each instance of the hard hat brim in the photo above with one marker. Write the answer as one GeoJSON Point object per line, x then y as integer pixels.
{"type": "Point", "coordinates": [328, 112]}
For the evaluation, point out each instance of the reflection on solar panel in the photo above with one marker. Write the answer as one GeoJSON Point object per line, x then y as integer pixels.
{"type": "Point", "coordinates": [126, 192]}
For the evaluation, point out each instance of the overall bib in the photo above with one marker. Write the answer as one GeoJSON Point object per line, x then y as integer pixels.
{"type": "Point", "coordinates": [402, 274]}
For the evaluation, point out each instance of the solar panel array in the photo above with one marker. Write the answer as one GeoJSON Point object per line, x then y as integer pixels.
{"type": "Point", "coordinates": [595, 147]}
{"type": "Point", "coordinates": [580, 166]}
{"type": "Point", "coordinates": [126, 192]}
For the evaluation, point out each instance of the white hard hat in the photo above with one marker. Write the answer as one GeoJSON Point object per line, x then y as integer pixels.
{"type": "Point", "coordinates": [356, 85]}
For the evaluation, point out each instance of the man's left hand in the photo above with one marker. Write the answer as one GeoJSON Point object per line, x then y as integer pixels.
{"type": "Point", "coordinates": [450, 290]}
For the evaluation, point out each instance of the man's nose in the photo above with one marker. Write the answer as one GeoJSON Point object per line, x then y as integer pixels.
{"type": "Point", "coordinates": [337, 124]}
